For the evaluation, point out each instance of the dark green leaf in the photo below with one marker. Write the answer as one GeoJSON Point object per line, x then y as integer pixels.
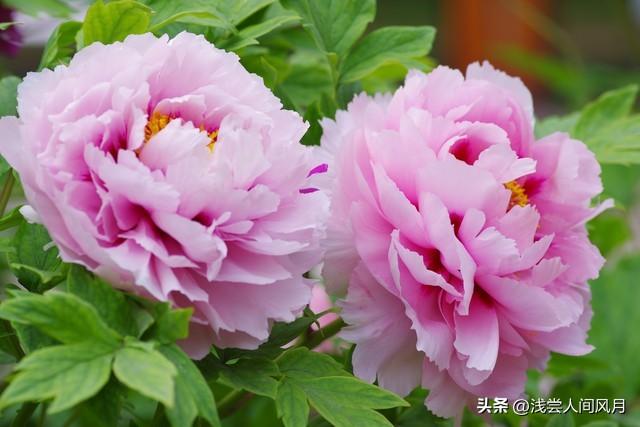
{"type": "Point", "coordinates": [31, 338]}
{"type": "Point", "coordinates": [8, 95]}
{"type": "Point", "coordinates": [103, 409]}
{"type": "Point", "coordinates": [387, 46]}
{"type": "Point", "coordinates": [67, 374]}
{"type": "Point", "coordinates": [62, 316]}
{"type": "Point", "coordinates": [249, 35]}
{"type": "Point", "coordinates": [61, 45]}
{"type": "Point", "coordinates": [114, 21]}
{"type": "Point", "coordinates": [193, 397]}
{"type": "Point", "coordinates": [561, 420]}
{"type": "Point", "coordinates": [335, 25]}
{"type": "Point", "coordinates": [254, 375]}
{"type": "Point", "coordinates": [111, 305]}
{"type": "Point", "coordinates": [238, 10]}
{"type": "Point", "coordinates": [11, 219]}
{"type": "Point", "coordinates": [35, 261]}
{"type": "Point", "coordinates": [145, 370]}
{"type": "Point", "coordinates": [303, 363]}
{"type": "Point", "coordinates": [291, 404]}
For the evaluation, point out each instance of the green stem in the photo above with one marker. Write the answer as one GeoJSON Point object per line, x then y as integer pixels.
{"type": "Point", "coordinates": [158, 416]}
{"type": "Point", "coordinates": [24, 414]}
{"type": "Point", "coordinates": [233, 401]}
{"type": "Point", "coordinates": [6, 191]}
{"type": "Point", "coordinates": [316, 338]}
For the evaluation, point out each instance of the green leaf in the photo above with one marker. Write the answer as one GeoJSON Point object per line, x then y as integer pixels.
{"type": "Point", "coordinates": [291, 404]}
{"type": "Point", "coordinates": [601, 423]}
{"type": "Point", "coordinates": [303, 363]}
{"type": "Point", "coordinates": [111, 305]}
{"type": "Point", "coordinates": [170, 325]}
{"type": "Point", "coordinates": [6, 25]}
{"type": "Point", "coordinates": [145, 370]}
{"type": "Point", "coordinates": [61, 45]}
{"type": "Point", "coordinates": [9, 96]}
{"type": "Point", "coordinates": [103, 409]}
{"type": "Point", "coordinates": [55, 8]}
{"type": "Point", "coordinates": [609, 107]}
{"type": "Point", "coordinates": [11, 219]}
{"type": "Point", "coordinates": [350, 392]}
{"type": "Point", "coordinates": [249, 35]}
{"type": "Point", "coordinates": [62, 316]}
{"type": "Point", "coordinates": [254, 375]}
{"type": "Point", "coordinates": [35, 261]}
{"type": "Point", "coordinates": [387, 46]}
{"type": "Point", "coordinates": [238, 10]}
{"type": "Point", "coordinates": [67, 374]}
{"type": "Point", "coordinates": [198, 12]}
{"type": "Point", "coordinates": [114, 21]}
{"type": "Point", "coordinates": [561, 420]}
{"type": "Point", "coordinates": [31, 338]}
{"type": "Point", "coordinates": [193, 397]}
{"type": "Point", "coordinates": [335, 25]}
{"type": "Point", "coordinates": [553, 124]}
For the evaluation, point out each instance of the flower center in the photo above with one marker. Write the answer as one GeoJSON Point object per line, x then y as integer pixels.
{"type": "Point", "coordinates": [518, 194]}
{"type": "Point", "coordinates": [159, 121]}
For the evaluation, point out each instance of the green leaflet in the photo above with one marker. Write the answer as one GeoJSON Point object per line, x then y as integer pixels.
{"type": "Point", "coordinates": [114, 21]}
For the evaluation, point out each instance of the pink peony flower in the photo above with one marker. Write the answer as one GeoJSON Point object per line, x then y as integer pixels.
{"type": "Point", "coordinates": [166, 167]}
{"type": "Point", "coordinates": [462, 240]}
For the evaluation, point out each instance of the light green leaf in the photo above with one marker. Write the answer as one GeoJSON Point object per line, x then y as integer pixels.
{"type": "Point", "coordinates": [170, 325]}
{"type": "Point", "coordinates": [111, 305]}
{"type": "Point", "coordinates": [62, 316]}
{"type": "Point", "coordinates": [145, 370]}
{"type": "Point", "coordinates": [8, 96]}
{"type": "Point", "coordinates": [387, 46]}
{"type": "Point", "coordinates": [335, 25]}
{"type": "Point", "coordinates": [57, 8]}
{"type": "Point", "coordinates": [31, 338]}
{"type": "Point", "coordinates": [61, 45]}
{"type": "Point", "coordinates": [198, 12]}
{"type": "Point", "coordinates": [601, 423]}
{"type": "Point", "coordinates": [67, 374]}
{"type": "Point", "coordinates": [291, 404]}
{"type": "Point", "coordinates": [254, 375]}
{"type": "Point", "coordinates": [553, 124]}
{"type": "Point", "coordinates": [35, 261]}
{"type": "Point", "coordinates": [193, 397]}
{"type": "Point", "coordinates": [301, 363]}
{"type": "Point", "coordinates": [114, 21]}
{"type": "Point", "coordinates": [6, 25]}
{"type": "Point", "coordinates": [609, 107]}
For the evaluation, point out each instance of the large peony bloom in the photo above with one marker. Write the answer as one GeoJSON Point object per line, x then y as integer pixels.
{"type": "Point", "coordinates": [166, 167]}
{"type": "Point", "coordinates": [462, 240]}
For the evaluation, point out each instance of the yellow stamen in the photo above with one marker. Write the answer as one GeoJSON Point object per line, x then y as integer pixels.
{"type": "Point", "coordinates": [518, 194]}
{"type": "Point", "coordinates": [159, 121]}
{"type": "Point", "coordinates": [156, 123]}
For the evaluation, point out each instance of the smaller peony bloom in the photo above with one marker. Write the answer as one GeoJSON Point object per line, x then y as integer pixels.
{"type": "Point", "coordinates": [10, 38]}
{"type": "Point", "coordinates": [461, 240]}
{"type": "Point", "coordinates": [165, 167]}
